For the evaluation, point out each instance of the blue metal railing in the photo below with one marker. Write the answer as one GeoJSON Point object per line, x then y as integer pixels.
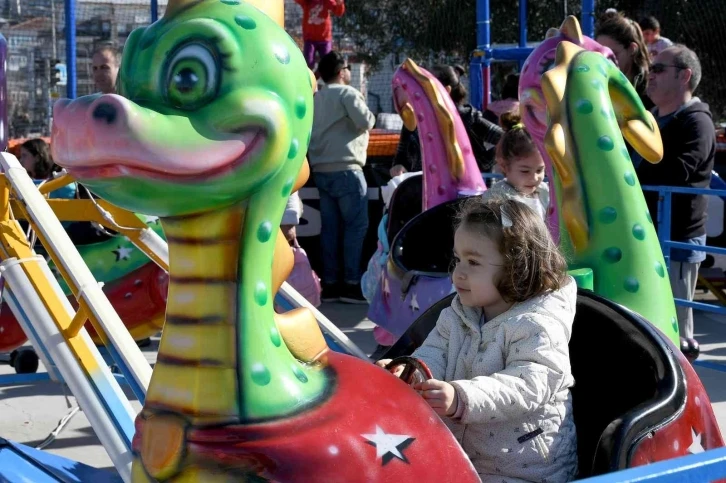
{"type": "Point", "coordinates": [665, 208]}
{"type": "Point", "coordinates": [696, 468]}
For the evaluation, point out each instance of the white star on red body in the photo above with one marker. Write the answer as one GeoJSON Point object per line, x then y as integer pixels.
{"type": "Point", "coordinates": [388, 445]}
{"type": "Point", "coordinates": [414, 302]}
{"type": "Point", "coordinates": [696, 446]}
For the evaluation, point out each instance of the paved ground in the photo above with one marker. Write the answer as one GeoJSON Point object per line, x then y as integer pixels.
{"type": "Point", "coordinates": [29, 413]}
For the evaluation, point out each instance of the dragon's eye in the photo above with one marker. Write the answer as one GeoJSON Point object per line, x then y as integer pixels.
{"type": "Point", "coordinates": [192, 78]}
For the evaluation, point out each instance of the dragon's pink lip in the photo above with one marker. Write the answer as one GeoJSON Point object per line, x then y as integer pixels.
{"type": "Point", "coordinates": [110, 136]}
{"type": "Point", "coordinates": [114, 168]}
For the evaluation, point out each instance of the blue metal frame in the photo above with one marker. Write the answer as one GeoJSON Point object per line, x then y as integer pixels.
{"type": "Point", "coordinates": [484, 55]}
{"type": "Point", "coordinates": [154, 11]}
{"type": "Point", "coordinates": [665, 204]}
{"type": "Point", "coordinates": [697, 468]}
{"type": "Point", "coordinates": [70, 6]}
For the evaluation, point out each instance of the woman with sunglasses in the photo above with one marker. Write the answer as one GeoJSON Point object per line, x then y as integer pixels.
{"type": "Point", "coordinates": [624, 37]}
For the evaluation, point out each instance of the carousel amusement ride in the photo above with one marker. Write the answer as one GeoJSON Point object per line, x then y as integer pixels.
{"type": "Point", "coordinates": [208, 133]}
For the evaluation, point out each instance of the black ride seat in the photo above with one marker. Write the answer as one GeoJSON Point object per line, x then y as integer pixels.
{"type": "Point", "coordinates": [424, 245]}
{"type": "Point", "coordinates": [627, 379]}
{"type": "Point", "coordinates": [405, 204]}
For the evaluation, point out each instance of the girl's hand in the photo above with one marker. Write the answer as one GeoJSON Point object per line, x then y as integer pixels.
{"type": "Point", "coordinates": [440, 395]}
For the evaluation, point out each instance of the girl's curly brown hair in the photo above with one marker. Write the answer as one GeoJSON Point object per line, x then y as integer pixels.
{"type": "Point", "coordinates": [533, 265]}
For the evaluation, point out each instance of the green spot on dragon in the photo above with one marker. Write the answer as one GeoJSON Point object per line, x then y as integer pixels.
{"type": "Point", "coordinates": [604, 214]}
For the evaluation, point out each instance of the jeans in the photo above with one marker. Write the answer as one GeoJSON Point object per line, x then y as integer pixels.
{"type": "Point", "coordinates": [343, 208]}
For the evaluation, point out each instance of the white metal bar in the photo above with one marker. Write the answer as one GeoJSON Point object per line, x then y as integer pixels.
{"type": "Point", "coordinates": [121, 342]}
{"type": "Point", "coordinates": [89, 379]}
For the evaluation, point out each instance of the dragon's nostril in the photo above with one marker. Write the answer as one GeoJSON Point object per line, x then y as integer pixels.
{"type": "Point", "coordinates": [105, 112]}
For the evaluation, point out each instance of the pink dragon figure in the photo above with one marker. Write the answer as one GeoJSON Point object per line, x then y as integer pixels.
{"type": "Point", "coordinates": [532, 102]}
{"type": "Point", "coordinates": [400, 294]}
{"type": "Point", "coordinates": [449, 167]}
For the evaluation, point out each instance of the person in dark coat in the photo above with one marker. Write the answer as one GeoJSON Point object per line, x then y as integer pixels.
{"type": "Point", "coordinates": [689, 146]}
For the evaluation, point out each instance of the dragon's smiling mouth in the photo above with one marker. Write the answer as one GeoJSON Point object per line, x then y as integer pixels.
{"type": "Point", "coordinates": [109, 168]}
{"type": "Point", "coordinates": [110, 136]}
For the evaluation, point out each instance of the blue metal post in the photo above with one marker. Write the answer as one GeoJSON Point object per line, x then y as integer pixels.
{"type": "Point", "coordinates": [71, 48]}
{"type": "Point", "coordinates": [665, 205]}
{"type": "Point", "coordinates": [154, 10]}
{"type": "Point", "coordinates": [481, 66]}
{"type": "Point", "coordinates": [3, 94]}
{"type": "Point", "coordinates": [588, 18]}
{"type": "Point", "coordinates": [522, 27]}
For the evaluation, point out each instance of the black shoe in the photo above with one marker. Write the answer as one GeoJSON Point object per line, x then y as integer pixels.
{"type": "Point", "coordinates": [330, 292]}
{"type": "Point", "coordinates": [690, 348]}
{"type": "Point", "coordinates": [352, 294]}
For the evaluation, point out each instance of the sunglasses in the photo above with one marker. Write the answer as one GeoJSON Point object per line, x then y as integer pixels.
{"type": "Point", "coordinates": [660, 68]}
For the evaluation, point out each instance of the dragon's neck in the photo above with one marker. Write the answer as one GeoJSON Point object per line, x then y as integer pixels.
{"type": "Point", "coordinates": [601, 201]}
{"type": "Point", "coordinates": [221, 358]}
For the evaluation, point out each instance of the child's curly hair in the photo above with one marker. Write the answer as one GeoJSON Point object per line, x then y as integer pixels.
{"type": "Point", "coordinates": [533, 265]}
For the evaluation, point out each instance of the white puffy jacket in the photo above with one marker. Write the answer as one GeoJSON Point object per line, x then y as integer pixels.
{"type": "Point", "coordinates": [512, 376]}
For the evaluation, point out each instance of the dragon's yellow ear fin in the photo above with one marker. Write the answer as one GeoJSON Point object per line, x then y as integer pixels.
{"type": "Point", "coordinates": [552, 32]}
{"type": "Point", "coordinates": [571, 29]}
{"type": "Point", "coordinates": [275, 9]}
{"type": "Point", "coordinates": [175, 5]}
{"type": "Point", "coordinates": [554, 81]}
{"type": "Point", "coordinates": [645, 139]}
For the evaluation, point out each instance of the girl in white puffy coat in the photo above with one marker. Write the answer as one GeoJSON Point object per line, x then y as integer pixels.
{"type": "Point", "coordinates": [499, 355]}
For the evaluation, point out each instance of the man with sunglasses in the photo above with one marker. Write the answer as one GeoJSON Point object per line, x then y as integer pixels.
{"type": "Point", "coordinates": [689, 146]}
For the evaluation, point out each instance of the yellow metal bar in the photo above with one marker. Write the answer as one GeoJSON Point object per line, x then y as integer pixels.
{"type": "Point", "coordinates": [54, 184]}
{"type": "Point", "coordinates": [4, 199]}
{"type": "Point", "coordinates": [127, 223]}
{"type": "Point", "coordinates": [79, 320]}
{"type": "Point", "coordinates": [717, 291]}
{"type": "Point", "coordinates": [14, 244]}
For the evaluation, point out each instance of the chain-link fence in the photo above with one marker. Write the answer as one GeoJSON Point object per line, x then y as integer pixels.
{"type": "Point", "coordinates": [36, 35]}
{"type": "Point", "coordinates": [699, 25]}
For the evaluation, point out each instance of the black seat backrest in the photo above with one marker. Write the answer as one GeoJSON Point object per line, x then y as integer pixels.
{"type": "Point", "coordinates": [405, 204]}
{"type": "Point", "coordinates": [426, 243]}
{"type": "Point", "coordinates": [626, 378]}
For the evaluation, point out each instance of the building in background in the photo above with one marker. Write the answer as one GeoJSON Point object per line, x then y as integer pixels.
{"type": "Point", "coordinates": [35, 30]}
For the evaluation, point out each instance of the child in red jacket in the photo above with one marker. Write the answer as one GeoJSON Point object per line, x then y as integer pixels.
{"type": "Point", "coordinates": [318, 26]}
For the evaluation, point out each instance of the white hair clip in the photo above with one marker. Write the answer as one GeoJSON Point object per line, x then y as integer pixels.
{"type": "Point", "coordinates": [506, 221]}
